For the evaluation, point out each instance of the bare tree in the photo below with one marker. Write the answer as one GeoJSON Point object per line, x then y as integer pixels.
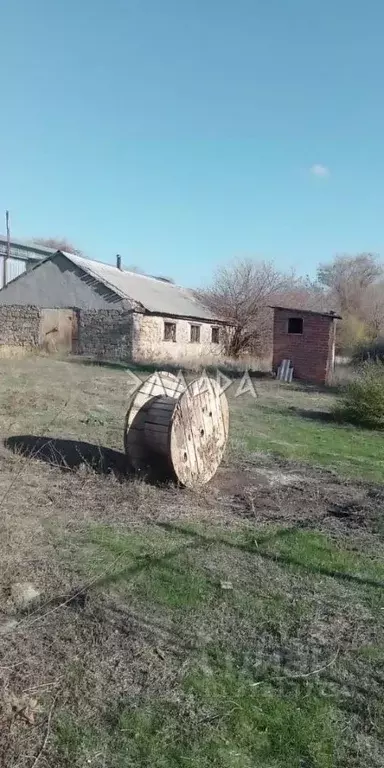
{"type": "Point", "coordinates": [241, 293]}
{"type": "Point", "coordinates": [353, 289]}
{"type": "Point", "coordinates": [303, 293]}
{"type": "Point", "coordinates": [372, 309]}
{"type": "Point", "coordinates": [58, 243]}
{"type": "Point", "coordinates": [238, 294]}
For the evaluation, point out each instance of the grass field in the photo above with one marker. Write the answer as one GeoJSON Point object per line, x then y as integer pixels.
{"type": "Point", "coordinates": [236, 625]}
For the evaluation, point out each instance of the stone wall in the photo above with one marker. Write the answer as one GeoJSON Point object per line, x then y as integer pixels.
{"type": "Point", "coordinates": [312, 351]}
{"type": "Point", "coordinates": [149, 344]}
{"type": "Point", "coordinates": [111, 334]}
{"type": "Point", "coordinates": [19, 326]}
{"type": "Point", "coordinates": [105, 333]}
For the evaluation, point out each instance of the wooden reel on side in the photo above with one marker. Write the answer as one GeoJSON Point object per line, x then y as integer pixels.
{"type": "Point", "coordinates": [177, 432]}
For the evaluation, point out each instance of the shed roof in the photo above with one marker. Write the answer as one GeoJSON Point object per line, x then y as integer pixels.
{"type": "Point", "coordinates": [332, 315]}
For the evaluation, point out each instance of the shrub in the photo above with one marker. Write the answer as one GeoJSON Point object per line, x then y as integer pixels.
{"type": "Point", "coordinates": [371, 351]}
{"type": "Point", "coordinates": [363, 400]}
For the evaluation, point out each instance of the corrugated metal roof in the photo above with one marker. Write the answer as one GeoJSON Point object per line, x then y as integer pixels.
{"type": "Point", "coordinates": [154, 295]}
{"type": "Point", "coordinates": [22, 249]}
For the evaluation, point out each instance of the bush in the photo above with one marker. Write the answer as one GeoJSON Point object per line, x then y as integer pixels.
{"type": "Point", "coordinates": [363, 399]}
{"type": "Point", "coordinates": [372, 351]}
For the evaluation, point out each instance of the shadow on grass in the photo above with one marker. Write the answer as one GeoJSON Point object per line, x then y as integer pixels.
{"type": "Point", "coordinates": [339, 417]}
{"type": "Point", "coordinates": [144, 562]}
{"type": "Point", "coordinates": [120, 365]}
{"type": "Point", "coordinates": [224, 368]}
{"type": "Point", "coordinates": [331, 388]}
{"type": "Point", "coordinates": [275, 557]}
{"type": "Point", "coordinates": [70, 454]}
{"type": "Point", "coordinates": [326, 417]}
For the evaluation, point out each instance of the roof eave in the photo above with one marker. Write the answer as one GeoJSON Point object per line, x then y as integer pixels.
{"type": "Point", "coordinates": [331, 315]}
{"type": "Point", "coordinates": [199, 318]}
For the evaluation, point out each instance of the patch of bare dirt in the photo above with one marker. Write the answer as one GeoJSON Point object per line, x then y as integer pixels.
{"type": "Point", "coordinates": [288, 493]}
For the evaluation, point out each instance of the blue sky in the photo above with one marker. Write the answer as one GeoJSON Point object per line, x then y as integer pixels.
{"type": "Point", "coordinates": [182, 133]}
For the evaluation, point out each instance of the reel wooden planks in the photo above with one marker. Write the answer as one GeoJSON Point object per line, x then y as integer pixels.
{"type": "Point", "coordinates": [178, 432]}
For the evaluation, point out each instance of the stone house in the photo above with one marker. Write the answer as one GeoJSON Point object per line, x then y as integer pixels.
{"type": "Point", "coordinates": [69, 302]}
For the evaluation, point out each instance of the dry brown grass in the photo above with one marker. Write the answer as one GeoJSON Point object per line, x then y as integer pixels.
{"type": "Point", "coordinates": [12, 351]}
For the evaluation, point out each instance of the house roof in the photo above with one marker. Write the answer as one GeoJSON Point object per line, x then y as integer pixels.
{"type": "Point", "coordinates": [149, 294]}
{"type": "Point", "coordinates": [330, 314]}
{"type": "Point", "coordinates": [155, 295]}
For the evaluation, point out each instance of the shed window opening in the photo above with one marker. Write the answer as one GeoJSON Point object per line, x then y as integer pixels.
{"type": "Point", "coordinates": [295, 325]}
{"type": "Point", "coordinates": [195, 334]}
{"type": "Point", "coordinates": [215, 337]}
{"type": "Point", "coordinates": [169, 331]}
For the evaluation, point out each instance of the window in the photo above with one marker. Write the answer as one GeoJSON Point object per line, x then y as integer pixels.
{"type": "Point", "coordinates": [295, 325]}
{"type": "Point", "coordinates": [169, 331]}
{"type": "Point", "coordinates": [195, 334]}
{"type": "Point", "coordinates": [215, 337]}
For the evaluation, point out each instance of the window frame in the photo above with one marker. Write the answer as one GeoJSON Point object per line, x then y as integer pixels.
{"type": "Point", "coordinates": [170, 324]}
{"type": "Point", "coordinates": [295, 320]}
{"type": "Point", "coordinates": [195, 327]}
{"type": "Point", "coordinates": [215, 329]}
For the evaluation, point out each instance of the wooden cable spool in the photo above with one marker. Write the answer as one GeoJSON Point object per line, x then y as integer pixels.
{"type": "Point", "coordinates": [177, 432]}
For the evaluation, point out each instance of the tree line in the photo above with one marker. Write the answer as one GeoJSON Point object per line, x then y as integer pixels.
{"type": "Point", "coordinates": [244, 291]}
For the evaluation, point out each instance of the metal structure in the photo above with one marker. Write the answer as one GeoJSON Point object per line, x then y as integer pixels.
{"type": "Point", "coordinates": [17, 256]}
{"type": "Point", "coordinates": [176, 432]}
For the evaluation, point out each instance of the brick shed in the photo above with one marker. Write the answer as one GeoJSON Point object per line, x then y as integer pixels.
{"type": "Point", "coordinates": [307, 339]}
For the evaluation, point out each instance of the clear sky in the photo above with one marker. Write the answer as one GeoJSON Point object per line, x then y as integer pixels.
{"type": "Point", "coordinates": [183, 133]}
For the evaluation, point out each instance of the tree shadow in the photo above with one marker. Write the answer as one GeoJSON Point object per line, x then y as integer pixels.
{"type": "Point", "coordinates": [224, 368]}
{"type": "Point", "coordinates": [70, 454]}
{"type": "Point", "coordinates": [314, 415]}
{"type": "Point", "coordinates": [145, 562]}
{"type": "Point", "coordinates": [275, 557]}
{"type": "Point", "coordinates": [119, 365]}
{"type": "Point", "coordinates": [316, 389]}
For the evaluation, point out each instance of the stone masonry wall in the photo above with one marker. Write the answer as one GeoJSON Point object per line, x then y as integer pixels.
{"type": "Point", "coordinates": [114, 334]}
{"type": "Point", "coordinates": [311, 352]}
{"type": "Point", "coordinates": [19, 326]}
{"type": "Point", "coordinates": [149, 344]}
{"type": "Point", "coordinates": [105, 333]}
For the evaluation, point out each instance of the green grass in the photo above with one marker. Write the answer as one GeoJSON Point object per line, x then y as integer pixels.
{"type": "Point", "coordinates": [222, 718]}
{"type": "Point", "coordinates": [314, 551]}
{"type": "Point", "coordinates": [237, 703]}
{"type": "Point", "coordinates": [155, 567]}
{"type": "Point", "coordinates": [348, 450]}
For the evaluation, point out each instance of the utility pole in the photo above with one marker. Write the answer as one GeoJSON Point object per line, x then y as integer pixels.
{"type": "Point", "coordinates": [6, 258]}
